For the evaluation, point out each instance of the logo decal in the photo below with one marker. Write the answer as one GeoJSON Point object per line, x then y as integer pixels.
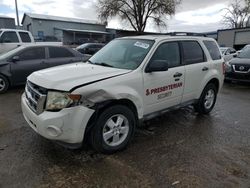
{"type": "Point", "coordinates": [242, 68]}
{"type": "Point", "coordinates": [163, 89]}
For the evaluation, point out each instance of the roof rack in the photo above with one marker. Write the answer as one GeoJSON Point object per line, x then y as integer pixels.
{"type": "Point", "coordinates": [186, 34]}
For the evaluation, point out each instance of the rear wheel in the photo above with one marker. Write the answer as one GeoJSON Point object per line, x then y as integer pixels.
{"type": "Point", "coordinates": [4, 84]}
{"type": "Point", "coordinates": [207, 100]}
{"type": "Point", "coordinates": [113, 129]}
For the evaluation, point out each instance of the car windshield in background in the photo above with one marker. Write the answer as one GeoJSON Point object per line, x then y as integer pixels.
{"type": "Point", "coordinates": [123, 53]}
{"type": "Point", "coordinates": [11, 52]}
{"type": "Point", "coordinates": [223, 50]}
{"type": "Point", "coordinates": [82, 46]}
{"type": "Point", "coordinates": [245, 53]}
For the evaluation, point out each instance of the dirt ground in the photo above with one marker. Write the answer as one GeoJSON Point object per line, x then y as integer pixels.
{"type": "Point", "coordinates": [179, 149]}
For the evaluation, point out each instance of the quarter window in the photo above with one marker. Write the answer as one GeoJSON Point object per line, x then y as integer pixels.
{"type": "Point", "coordinates": [9, 37]}
{"type": "Point", "coordinates": [192, 52]}
{"type": "Point", "coordinates": [58, 52]}
{"type": "Point", "coordinates": [213, 50]}
{"type": "Point", "coordinates": [168, 52]}
{"type": "Point", "coordinates": [25, 36]}
{"type": "Point", "coordinates": [32, 54]}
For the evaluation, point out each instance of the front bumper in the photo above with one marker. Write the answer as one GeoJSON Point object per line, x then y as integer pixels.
{"type": "Point", "coordinates": [67, 125]}
{"type": "Point", "coordinates": [240, 77]}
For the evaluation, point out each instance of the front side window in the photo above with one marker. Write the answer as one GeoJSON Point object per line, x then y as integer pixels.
{"type": "Point", "coordinates": [213, 50]}
{"type": "Point", "coordinates": [32, 54]}
{"type": "Point", "coordinates": [192, 52]}
{"type": "Point", "coordinates": [9, 37]}
{"type": "Point", "coordinates": [25, 36]}
{"type": "Point", "coordinates": [168, 52]}
{"type": "Point", "coordinates": [58, 52]}
{"type": "Point", "coordinates": [123, 53]}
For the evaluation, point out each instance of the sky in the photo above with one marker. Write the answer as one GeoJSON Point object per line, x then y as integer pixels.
{"type": "Point", "coordinates": [191, 15]}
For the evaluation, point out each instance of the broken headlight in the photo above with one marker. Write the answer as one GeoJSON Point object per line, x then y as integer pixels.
{"type": "Point", "coordinates": [59, 100]}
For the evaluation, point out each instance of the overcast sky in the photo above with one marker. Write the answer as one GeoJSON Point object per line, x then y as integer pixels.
{"type": "Point", "coordinates": [191, 15]}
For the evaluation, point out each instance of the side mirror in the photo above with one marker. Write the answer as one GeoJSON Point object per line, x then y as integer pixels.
{"type": "Point", "coordinates": [15, 59]}
{"type": "Point", "coordinates": [157, 66]}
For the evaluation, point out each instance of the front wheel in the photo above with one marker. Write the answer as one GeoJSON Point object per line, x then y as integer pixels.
{"type": "Point", "coordinates": [207, 99]}
{"type": "Point", "coordinates": [113, 129]}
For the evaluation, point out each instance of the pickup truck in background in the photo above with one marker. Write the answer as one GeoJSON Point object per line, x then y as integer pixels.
{"type": "Point", "coordinates": [13, 38]}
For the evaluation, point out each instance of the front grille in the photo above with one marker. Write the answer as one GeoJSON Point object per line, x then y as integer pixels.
{"type": "Point", "coordinates": [35, 97]}
{"type": "Point", "coordinates": [241, 68]}
{"type": "Point", "coordinates": [238, 76]}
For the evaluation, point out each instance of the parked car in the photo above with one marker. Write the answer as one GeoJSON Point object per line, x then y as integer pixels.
{"type": "Point", "coordinates": [228, 53]}
{"type": "Point", "coordinates": [17, 64]}
{"type": "Point", "coordinates": [89, 48]}
{"type": "Point", "coordinates": [238, 69]}
{"type": "Point", "coordinates": [13, 38]}
{"type": "Point", "coordinates": [130, 80]}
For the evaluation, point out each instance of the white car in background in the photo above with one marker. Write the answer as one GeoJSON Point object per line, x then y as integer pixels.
{"type": "Point", "coordinates": [228, 53]}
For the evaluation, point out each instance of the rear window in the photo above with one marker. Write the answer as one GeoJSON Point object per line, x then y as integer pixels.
{"type": "Point", "coordinates": [25, 36]}
{"type": "Point", "coordinates": [192, 52]}
{"type": "Point", "coordinates": [58, 52]}
{"type": "Point", "coordinates": [213, 50]}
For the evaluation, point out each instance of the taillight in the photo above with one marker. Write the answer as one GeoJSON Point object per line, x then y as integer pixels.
{"type": "Point", "coordinates": [224, 67]}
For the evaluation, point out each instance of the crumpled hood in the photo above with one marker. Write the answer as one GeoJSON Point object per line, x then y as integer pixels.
{"type": "Point", "coordinates": [67, 77]}
{"type": "Point", "coordinates": [240, 61]}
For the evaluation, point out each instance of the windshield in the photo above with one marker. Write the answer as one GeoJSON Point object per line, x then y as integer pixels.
{"type": "Point", "coordinates": [82, 46]}
{"type": "Point", "coordinates": [10, 53]}
{"type": "Point", "coordinates": [223, 50]}
{"type": "Point", "coordinates": [123, 53]}
{"type": "Point", "coordinates": [245, 53]}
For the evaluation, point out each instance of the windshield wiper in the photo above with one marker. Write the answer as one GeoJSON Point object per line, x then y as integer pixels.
{"type": "Point", "coordinates": [90, 61]}
{"type": "Point", "coordinates": [104, 64]}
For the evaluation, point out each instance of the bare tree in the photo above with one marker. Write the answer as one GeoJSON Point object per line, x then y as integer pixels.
{"type": "Point", "coordinates": [137, 12]}
{"type": "Point", "coordinates": [237, 14]}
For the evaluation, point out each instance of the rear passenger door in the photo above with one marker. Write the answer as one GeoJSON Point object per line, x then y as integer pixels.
{"type": "Point", "coordinates": [164, 89]}
{"type": "Point", "coordinates": [196, 68]}
{"type": "Point", "coordinates": [60, 56]}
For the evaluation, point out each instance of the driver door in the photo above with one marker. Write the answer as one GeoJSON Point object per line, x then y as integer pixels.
{"type": "Point", "coordinates": [164, 89]}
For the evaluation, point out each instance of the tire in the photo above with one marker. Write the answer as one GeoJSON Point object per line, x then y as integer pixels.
{"type": "Point", "coordinates": [4, 84]}
{"type": "Point", "coordinates": [207, 99]}
{"type": "Point", "coordinates": [118, 132]}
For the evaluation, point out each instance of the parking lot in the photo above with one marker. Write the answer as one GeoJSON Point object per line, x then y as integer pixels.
{"type": "Point", "coordinates": [179, 149]}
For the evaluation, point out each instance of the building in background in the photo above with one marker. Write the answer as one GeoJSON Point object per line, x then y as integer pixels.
{"type": "Point", "coordinates": [235, 38]}
{"type": "Point", "coordinates": [67, 30]}
{"type": "Point", "coordinates": [7, 22]}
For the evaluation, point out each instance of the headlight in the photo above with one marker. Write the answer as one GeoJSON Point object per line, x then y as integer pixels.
{"type": "Point", "coordinates": [59, 100]}
{"type": "Point", "coordinates": [228, 67]}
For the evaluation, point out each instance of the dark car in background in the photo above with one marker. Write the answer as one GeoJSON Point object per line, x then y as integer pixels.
{"type": "Point", "coordinates": [16, 65]}
{"type": "Point", "coordinates": [238, 69]}
{"type": "Point", "coordinates": [89, 48]}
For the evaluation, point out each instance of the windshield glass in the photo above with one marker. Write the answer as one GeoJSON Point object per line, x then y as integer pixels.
{"type": "Point", "coordinates": [245, 53]}
{"type": "Point", "coordinates": [10, 53]}
{"type": "Point", "coordinates": [82, 46]}
{"type": "Point", "coordinates": [223, 50]}
{"type": "Point", "coordinates": [123, 53]}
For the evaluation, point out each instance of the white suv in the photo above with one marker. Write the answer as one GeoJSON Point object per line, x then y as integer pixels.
{"type": "Point", "coordinates": [131, 79]}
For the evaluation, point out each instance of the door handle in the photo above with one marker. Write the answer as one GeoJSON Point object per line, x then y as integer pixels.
{"type": "Point", "coordinates": [205, 69]}
{"type": "Point", "coordinates": [177, 74]}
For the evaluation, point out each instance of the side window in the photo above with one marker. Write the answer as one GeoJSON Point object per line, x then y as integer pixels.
{"type": "Point", "coordinates": [213, 50]}
{"type": "Point", "coordinates": [25, 36]}
{"type": "Point", "coordinates": [32, 54]}
{"type": "Point", "coordinates": [170, 52]}
{"type": "Point", "coordinates": [59, 52]}
{"type": "Point", "coordinates": [9, 37]}
{"type": "Point", "coordinates": [192, 52]}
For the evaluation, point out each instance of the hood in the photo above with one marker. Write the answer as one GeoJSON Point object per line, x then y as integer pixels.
{"type": "Point", "coordinates": [67, 77]}
{"type": "Point", "coordinates": [240, 61]}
